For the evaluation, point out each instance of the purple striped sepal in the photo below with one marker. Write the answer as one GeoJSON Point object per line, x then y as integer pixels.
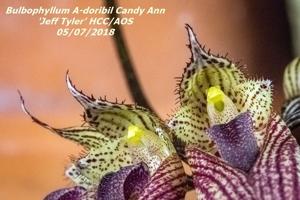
{"type": "Point", "coordinates": [274, 175]}
{"type": "Point", "coordinates": [73, 193]}
{"type": "Point", "coordinates": [134, 182]}
{"type": "Point", "coordinates": [168, 182]}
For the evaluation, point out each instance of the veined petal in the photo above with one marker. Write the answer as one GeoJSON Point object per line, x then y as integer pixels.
{"type": "Point", "coordinates": [236, 142]}
{"type": "Point", "coordinates": [110, 156]}
{"type": "Point", "coordinates": [127, 183]}
{"type": "Point", "coordinates": [103, 154]}
{"type": "Point", "coordinates": [276, 173]}
{"type": "Point", "coordinates": [113, 119]}
{"type": "Point", "coordinates": [291, 79]}
{"type": "Point", "coordinates": [215, 179]}
{"type": "Point", "coordinates": [74, 193]}
{"type": "Point", "coordinates": [189, 127]}
{"type": "Point", "coordinates": [168, 182]}
{"type": "Point", "coordinates": [291, 86]}
{"type": "Point", "coordinates": [255, 97]}
{"type": "Point", "coordinates": [146, 146]}
{"type": "Point", "coordinates": [205, 70]}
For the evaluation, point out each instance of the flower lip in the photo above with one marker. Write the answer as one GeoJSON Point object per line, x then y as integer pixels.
{"type": "Point", "coordinates": [74, 193]}
{"type": "Point", "coordinates": [127, 182]}
{"type": "Point", "coordinates": [236, 142]}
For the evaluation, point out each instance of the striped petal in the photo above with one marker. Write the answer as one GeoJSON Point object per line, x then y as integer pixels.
{"type": "Point", "coordinates": [113, 119]}
{"type": "Point", "coordinates": [236, 142]}
{"type": "Point", "coordinates": [291, 86]}
{"type": "Point", "coordinates": [205, 70]}
{"type": "Point", "coordinates": [110, 156]}
{"type": "Point", "coordinates": [168, 182]}
{"type": "Point", "coordinates": [74, 193]}
{"type": "Point", "coordinates": [215, 179]}
{"type": "Point", "coordinates": [291, 79]}
{"type": "Point", "coordinates": [276, 173]}
{"type": "Point", "coordinates": [125, 184]}
{"type": "Point", "coordinates": [102, 156]}
{"type": "Point", "coordinates": [255, 97]}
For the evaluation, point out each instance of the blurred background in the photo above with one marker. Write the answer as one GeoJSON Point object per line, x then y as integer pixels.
{"type": "Point", "coordinates": [34, 60]}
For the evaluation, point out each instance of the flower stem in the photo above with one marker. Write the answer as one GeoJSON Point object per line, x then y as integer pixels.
{"type": "Point", "coordinates": [126, 62]}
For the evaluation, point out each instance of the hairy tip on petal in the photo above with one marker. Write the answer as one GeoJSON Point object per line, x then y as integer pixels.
{"type": "Point", "coordinates": [34, 119]}
{"type": "Point", "coordinates": [236, 142]}
{"type": "Point", "coordinates": [127, 183]}
{"type": "Point", "coordinates": [194, 44]}
{"type": "Point", "coordinates": [91, 136]}
{"type": "Point", "coordinates": [83, 99]}
{"type": "Point", "coordinates": [101, 114]}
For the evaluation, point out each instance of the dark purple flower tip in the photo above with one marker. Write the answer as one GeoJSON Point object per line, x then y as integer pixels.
{"type": "Point", "coordinates": [124, 184]}
{"type": "Point", "coordinates": [236, 142]}
{"type": "Point", "coordinates": [73, 193]}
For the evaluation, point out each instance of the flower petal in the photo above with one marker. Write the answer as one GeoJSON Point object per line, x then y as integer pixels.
{"type": "Point", "coordinates": [108, 154]}
{"type": "Point", "coordinates": [103, 154]}
{"type": "Point", "coordinates": [74, 193]}
{"type": "Point", "coordinates": [205, 70]}
{"type": "Point", "coordinates": [146, 146]}
{"type": "Point", "coordinates": [113, 119]}
{"type": "Point", "coordinates": [291, 81]}
{"type": "Point", "coordinates": [255, 97]}
{"type": "Point", "coordinates": [125, 184]}
{"type": "Point", "coordinates": [215, 179]}
{"type": "Point", "coordinates": [276, 173]}
{"type": "Point", "coordinates": [236, 142]}
{"type": "Point", "coordinates": [291, 86]}
{"type": "Point", "coordinates": [189, 127]}
{"type": "Point", "coordinates": [168, 182]}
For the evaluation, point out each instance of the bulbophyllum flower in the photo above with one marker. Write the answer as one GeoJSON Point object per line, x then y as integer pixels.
{"type": "Point", "coordinates": [121, 141]}
{"type": "Point", "coordinates": [224, 129]}
{"type": "Point", "coordinates": [191, 121]}
{"type": "Point", "coordinates": [133, 182]}
{"type": "Point", "coordinates": [246, 171]}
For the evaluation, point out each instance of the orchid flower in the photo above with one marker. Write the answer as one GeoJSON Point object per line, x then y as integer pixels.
{"type": "Point", "coordinates": [119, 138]}
{"type": "Point", "coordinates": [222, 111]}
{"type": "Point", "coordinates": [224, 128]}
{"type": "Point", "coordinates": [191, 121]}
